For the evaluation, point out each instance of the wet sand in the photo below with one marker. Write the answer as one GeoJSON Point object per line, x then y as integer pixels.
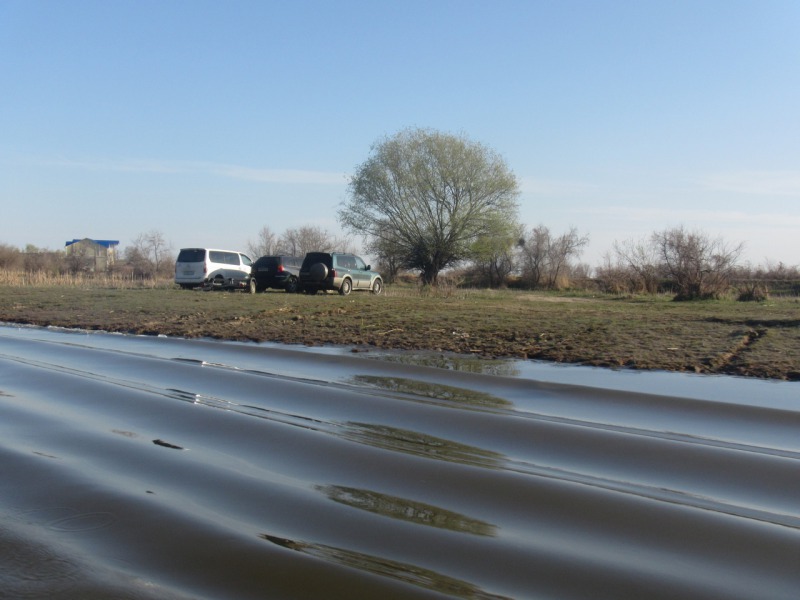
{"type": "Point", "coordinates": [141, 467]}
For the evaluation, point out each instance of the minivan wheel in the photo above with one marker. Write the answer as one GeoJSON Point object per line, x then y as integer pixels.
{"type": "Point", "coordinates": [347, 287]}
{"type": "Point", "coordinates": [377, 286]}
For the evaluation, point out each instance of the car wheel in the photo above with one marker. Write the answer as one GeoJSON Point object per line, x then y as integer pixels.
{"type": "Point", "coordinates": [347, 287]}
{"type": "Point", "coordinates": [291, 285]}
{"type": "Point", "coordinates": [318, 272]}
{"type": "Point", "coordinates": [377, 286]}
{"type": "Point", "coordinates": [310, 291]}
{"type": "Point", "coordinates": [252, 286]}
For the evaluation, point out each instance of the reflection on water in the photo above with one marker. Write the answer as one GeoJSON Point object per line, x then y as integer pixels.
{"type": "Point", "coordinates": [407, 510]}
{"type": "Point", "coordinates": [384, 567]}
{"type": "Point", "coordinates": [421, 444]}
{"type": "Point", "coordinates": [435, 391]}
{"type": "Point", "coordinates": [452, 362]}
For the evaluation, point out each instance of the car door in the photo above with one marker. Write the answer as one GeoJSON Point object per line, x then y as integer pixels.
{"type": "Point", "coordinates": [344, 267]}
{"type": "Point", "coordinates": [360, 274]}
{"type": "Point", "coordinates": [231, 265]}
{"type": "Point", "coordinates": [246, 266]}
{"type": "Point", "coordinates": [216, 266]}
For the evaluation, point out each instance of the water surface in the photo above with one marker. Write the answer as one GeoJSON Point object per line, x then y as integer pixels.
{"type": "Point", "coordinates": [140, 467]}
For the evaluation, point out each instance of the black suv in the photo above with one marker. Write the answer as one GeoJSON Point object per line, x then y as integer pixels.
{"type": "Point", "coordinates": [336, 271]}
{"type": "Point", "coordinates": [278, 272]}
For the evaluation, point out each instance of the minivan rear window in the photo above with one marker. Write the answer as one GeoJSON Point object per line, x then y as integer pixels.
{"type": "Point", "coordinates": [192, 255]}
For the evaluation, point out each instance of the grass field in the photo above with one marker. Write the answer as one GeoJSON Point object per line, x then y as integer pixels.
{"type": "Point", "coordinates": [742, 338]}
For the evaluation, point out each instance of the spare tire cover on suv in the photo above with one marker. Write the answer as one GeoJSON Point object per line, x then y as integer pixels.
{"type": "Point", "coordinates": [318, 272]}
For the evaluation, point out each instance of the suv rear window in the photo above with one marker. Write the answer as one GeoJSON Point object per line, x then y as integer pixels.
{"type": "Point", "coordinates": [268, 261]}
{"type": "Point", "coordinates": [192, 255]}
{"type": "Point", "coordinates": [316, 257]}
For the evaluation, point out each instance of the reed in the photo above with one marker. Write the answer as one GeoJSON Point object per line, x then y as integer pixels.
{"type": "Point", "coordinates": [13, 278]}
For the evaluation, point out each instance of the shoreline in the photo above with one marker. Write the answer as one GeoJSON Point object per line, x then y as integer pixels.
{"type": "Point", "coordinates": [744, 339]}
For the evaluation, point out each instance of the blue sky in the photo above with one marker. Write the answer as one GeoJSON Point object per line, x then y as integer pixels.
{"type": "Point", "coordinates": [210, 120]}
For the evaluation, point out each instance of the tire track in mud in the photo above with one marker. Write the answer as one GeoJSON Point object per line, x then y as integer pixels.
{"type": "Point", "coordinates": [745, 342]}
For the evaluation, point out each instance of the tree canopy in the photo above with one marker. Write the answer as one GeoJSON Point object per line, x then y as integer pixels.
{"type": "Point", "coordinates": [430, 197]}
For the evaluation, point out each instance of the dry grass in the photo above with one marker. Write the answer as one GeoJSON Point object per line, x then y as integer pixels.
{"type": "Point", "coordinates": [43, 279]}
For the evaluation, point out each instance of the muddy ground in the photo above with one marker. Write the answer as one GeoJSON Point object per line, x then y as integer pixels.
{"type": "Point", "coordinates": [749, 339]}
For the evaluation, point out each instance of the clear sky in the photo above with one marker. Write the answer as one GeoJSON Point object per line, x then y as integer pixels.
{"type": "Point", "coordinates": [208, 120]}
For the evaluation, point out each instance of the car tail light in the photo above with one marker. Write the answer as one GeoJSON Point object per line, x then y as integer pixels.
{"type": "Point", "coordinates": [280, 268]}
{"type": "Point", "coordinates": [332, 273]}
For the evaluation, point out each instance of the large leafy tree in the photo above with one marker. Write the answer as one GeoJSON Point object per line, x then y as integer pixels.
{"type": "Point", "coordinates": [431, 196]}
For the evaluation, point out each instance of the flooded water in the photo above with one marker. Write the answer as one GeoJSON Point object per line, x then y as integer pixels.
{"type": "Point", "coordinates": [155, 468]}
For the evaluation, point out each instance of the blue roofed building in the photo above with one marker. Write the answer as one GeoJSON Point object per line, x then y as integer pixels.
{"type": "Point", "coordinates": [93, 255]}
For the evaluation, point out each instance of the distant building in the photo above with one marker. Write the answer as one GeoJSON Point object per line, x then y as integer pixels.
{"type": "Point", "coordinates": [93, 255]}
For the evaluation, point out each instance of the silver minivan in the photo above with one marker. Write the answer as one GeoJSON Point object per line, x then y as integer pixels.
{"type": "Point", "coordinates": [207, 266]}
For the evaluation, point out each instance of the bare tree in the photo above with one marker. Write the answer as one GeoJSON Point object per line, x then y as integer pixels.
{"type": "Point", "coordinates": [613, 275]}
{"type": "Point", "coordinates": [138, 263]}
{"type": "Point", "coordinates": [533, 249]}
{"type": "Point", "coordinates": [10, 257]}
{"type": "Point", "coordinates": [265, 245]}
{"type": "Point", "coordinates": [580, 274]}
{"type": "Point", "coordinates": [779, 271]}
{"type": "Point", "coordinates": [44, 260]}
{"type": "Point", "coordinates": [700, 266]}
{"type": "Point", "coordinates": [545, 257]}
{"type": "Point", "coordinates": [641, 258]}
{"type": "Point", "coordinates": [562, 248]}
{"type": "Point", "coordinates": [301, 241]}
{"type": "Point", "coordinates": [160, 250]}
{"type": "Point", "coordinates": [149, 254]}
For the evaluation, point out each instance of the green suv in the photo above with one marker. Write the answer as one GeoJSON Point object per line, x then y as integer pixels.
{"type": "Point", "coordinates": [336, 271]}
